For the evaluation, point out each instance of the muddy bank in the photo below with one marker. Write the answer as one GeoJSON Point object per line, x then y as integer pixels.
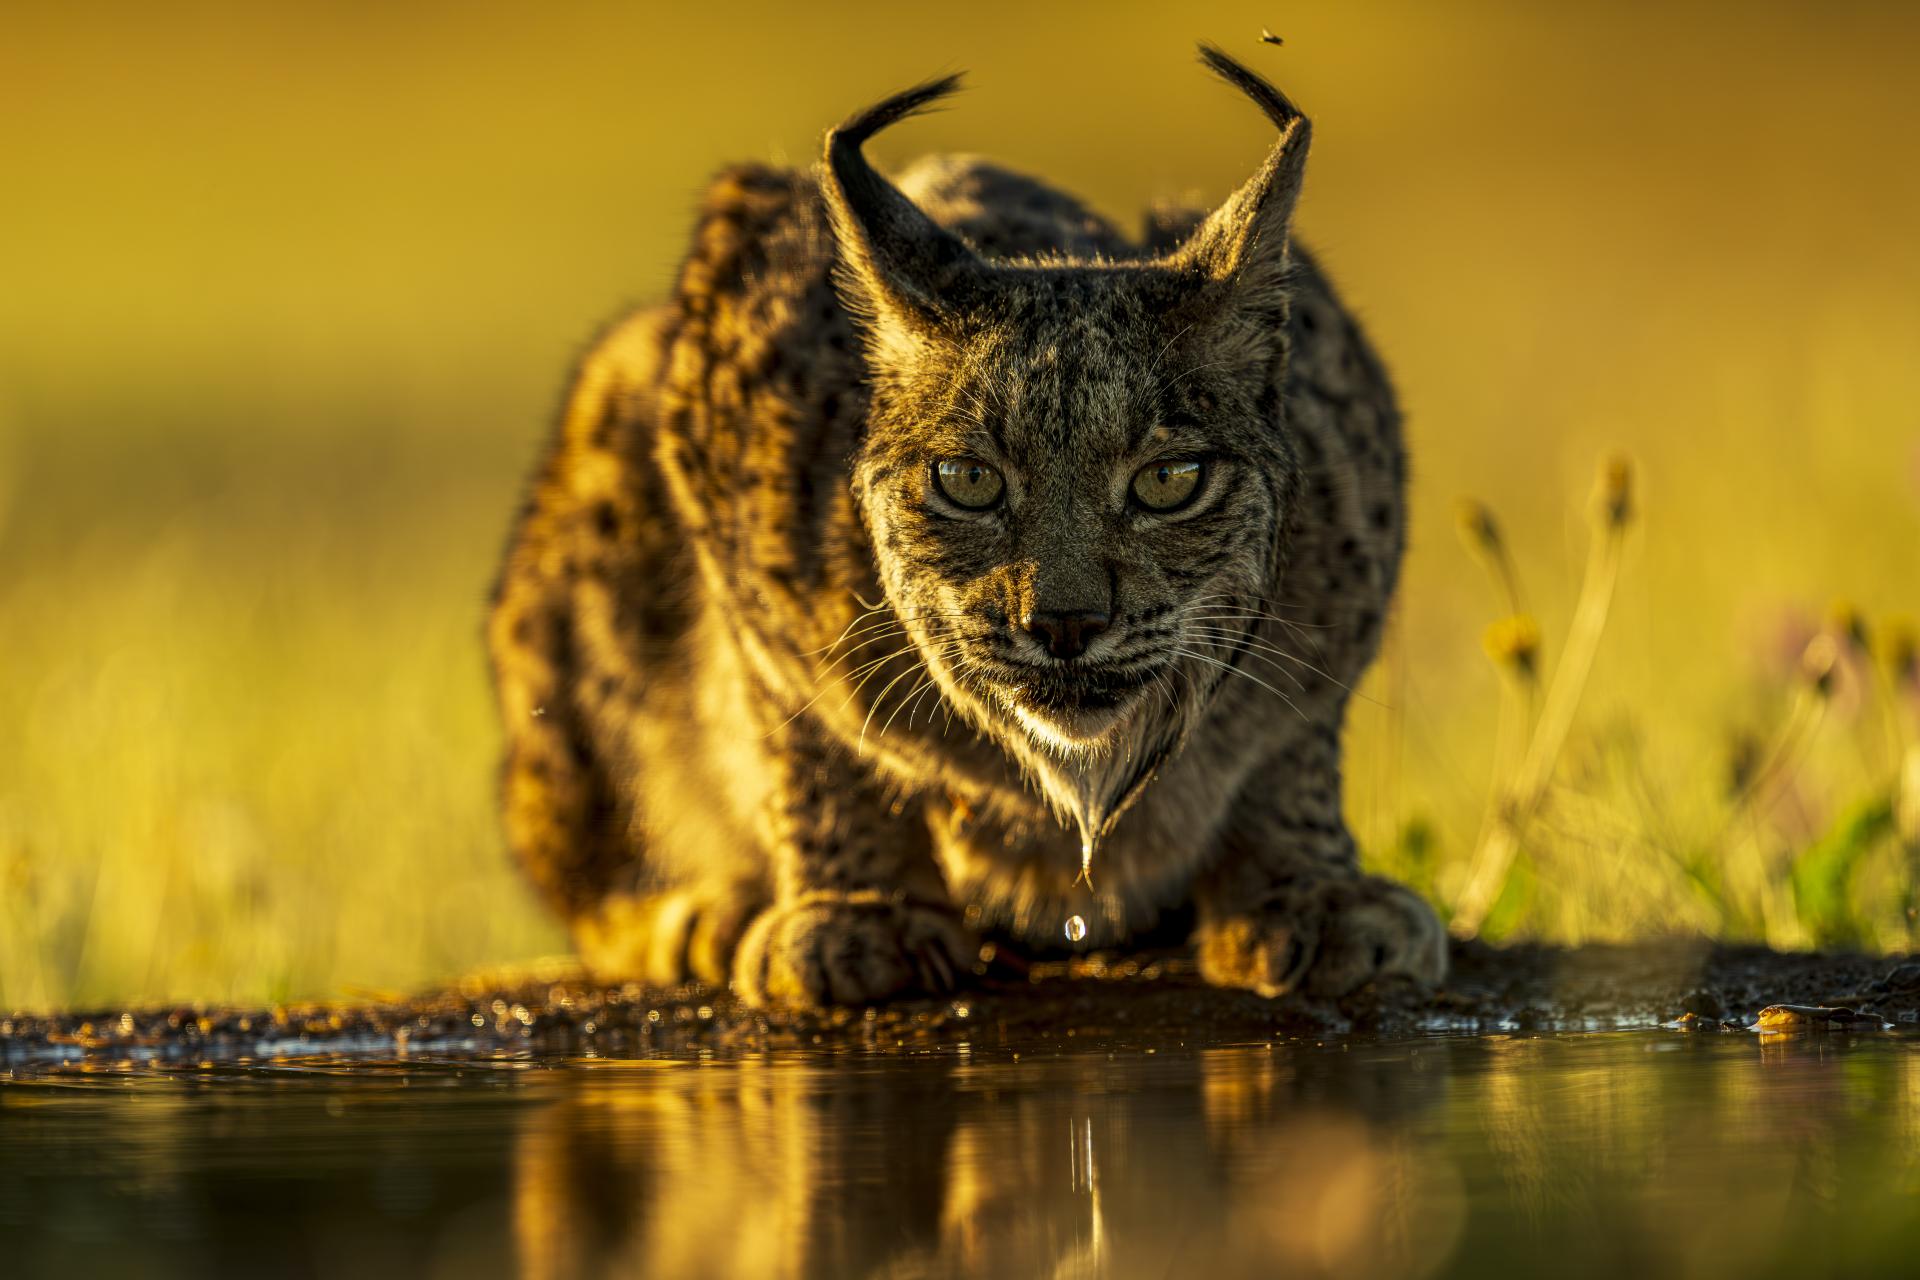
{"type": "Point", "coordinates": [1136, 1001]}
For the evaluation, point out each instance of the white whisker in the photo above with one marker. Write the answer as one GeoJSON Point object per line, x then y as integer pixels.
{"type": "Point", "coordinates": [1233, 670]}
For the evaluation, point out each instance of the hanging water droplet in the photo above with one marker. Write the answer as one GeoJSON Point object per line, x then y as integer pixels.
{"type": "Point", "coordinates": [1076, 928]}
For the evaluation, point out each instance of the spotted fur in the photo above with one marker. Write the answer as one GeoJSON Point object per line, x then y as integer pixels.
{"type": "Point", "coordinates": [780, 712]}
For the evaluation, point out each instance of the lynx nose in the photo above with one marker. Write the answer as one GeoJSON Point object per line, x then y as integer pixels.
{"type": "Point", "coordinates": [1066, 634]}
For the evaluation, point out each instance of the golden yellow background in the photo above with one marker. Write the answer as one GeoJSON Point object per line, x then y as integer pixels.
{"type": "Point", "coordinates": [287, 294]}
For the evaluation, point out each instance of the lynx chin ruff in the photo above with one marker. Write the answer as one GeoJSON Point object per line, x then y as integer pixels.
{"type": "Point", "coordinates": [941, 561]}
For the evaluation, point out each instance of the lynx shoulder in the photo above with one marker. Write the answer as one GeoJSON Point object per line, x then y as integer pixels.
{"type": "Point", "coordinates": [940, 560]}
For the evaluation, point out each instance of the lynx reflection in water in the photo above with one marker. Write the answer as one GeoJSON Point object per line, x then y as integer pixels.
{"type": "Point", "coordinates": [1650, 1152]}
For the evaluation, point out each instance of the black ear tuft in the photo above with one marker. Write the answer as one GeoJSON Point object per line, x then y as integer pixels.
{"type": "Point", "coordinates": [1275, 103]}
{"type": "Point", "coordinates": [857, 128]}
{"type": "Point", "coordinates": [898, 266]}
{"type": "Point", "coordinates": [1245, 239]}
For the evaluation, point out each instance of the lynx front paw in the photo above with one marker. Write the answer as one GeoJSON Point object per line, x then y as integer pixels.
{"type": "Point", "coordinates": [668, 938]}
{"type": "Point", "coordinates": [1326, 938]}
{"type": "Point", "coordinates": [846, 949]}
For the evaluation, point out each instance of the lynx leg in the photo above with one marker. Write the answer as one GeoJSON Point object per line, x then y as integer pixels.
{"type": "Point", "coordinates": [1286, 908]}
{"type": "Point", "coordinates": [860, 912]}
{"type": "Point", "coordinates": [582, 600]}
{"type": "Point", "coordinates": [562, 816]}
{"type": "Point", "coordinates": [578, 837]}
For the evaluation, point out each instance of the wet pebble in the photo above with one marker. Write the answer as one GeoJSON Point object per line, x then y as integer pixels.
{"type": "Point", "coordinates": [1702, 1003]}
{"type": "Point", "coordinates": [1807, 1017]}
{"type": "Point", "coordinates": [1700, 1022]}
{"type": "Point", "coordinates": [1530, 1019]}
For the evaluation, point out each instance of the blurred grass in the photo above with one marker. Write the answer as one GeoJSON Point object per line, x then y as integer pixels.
{"type": "Point", "coordinates": [288, 297]}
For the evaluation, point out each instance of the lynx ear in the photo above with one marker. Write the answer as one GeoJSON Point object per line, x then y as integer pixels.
{"type": "Point", "coordinates": [897, 266]}
{"type": "Point", "coordinates": [1244, 241]}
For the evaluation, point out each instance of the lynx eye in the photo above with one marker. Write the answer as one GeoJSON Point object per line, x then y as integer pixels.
{"type": "Point", "coordinates": [1166, 484]}
{"type": "Point", "coordinates": [968, 482]}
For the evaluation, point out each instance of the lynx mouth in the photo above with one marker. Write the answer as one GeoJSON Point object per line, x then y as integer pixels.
{"type": "Point", "coordinates": [1072, 709]}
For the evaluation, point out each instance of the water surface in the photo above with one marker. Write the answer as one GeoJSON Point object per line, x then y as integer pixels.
{"type": "Point", "coordinates": [1633, 1153]}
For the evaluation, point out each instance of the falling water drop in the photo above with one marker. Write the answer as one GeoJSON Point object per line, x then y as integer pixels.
{"type": "Point", "coordinates": [1076, 928]}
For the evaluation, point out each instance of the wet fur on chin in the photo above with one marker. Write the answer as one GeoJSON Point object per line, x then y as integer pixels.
{"type": "Point", "coordinates": [1088, 778]}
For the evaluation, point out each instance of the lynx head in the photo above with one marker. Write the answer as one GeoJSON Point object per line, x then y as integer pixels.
{"type": "Point", "coordinates": [1075, 475]}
